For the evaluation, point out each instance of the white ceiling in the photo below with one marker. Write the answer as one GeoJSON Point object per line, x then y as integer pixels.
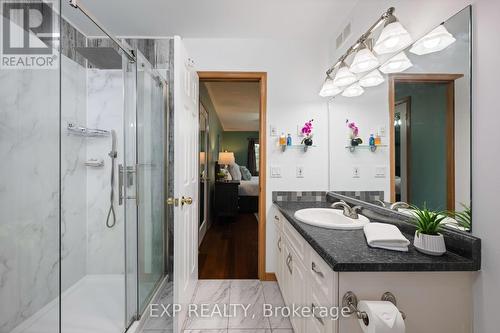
{"type": "Point", "coordinates": [236, 104]}
{"type": "Point", "coordinates": [213, 18]}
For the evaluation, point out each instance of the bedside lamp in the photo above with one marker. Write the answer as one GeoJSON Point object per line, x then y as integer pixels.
{"type": "Point", "coordinates": [226, 158]}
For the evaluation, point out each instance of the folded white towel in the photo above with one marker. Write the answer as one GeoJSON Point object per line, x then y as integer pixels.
{"type": "Point", "coordinates": [385, 236]}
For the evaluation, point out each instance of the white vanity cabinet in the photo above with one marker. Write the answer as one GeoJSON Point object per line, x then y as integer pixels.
{"type": "Point", "coordinates": [434, 302]}
{"type": "Point", "coordinates": [304, 278]}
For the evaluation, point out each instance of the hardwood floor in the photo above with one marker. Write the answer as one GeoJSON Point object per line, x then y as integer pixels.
{"type": "Point", "coordinates": [230, 249]}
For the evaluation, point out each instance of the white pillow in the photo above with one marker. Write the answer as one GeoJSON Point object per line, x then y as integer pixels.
{"type": "Point", "coordinates": [234, 170]}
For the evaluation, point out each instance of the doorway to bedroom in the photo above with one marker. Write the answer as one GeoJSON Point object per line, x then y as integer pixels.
{"type": "Point", "coordinates": [232, 175]}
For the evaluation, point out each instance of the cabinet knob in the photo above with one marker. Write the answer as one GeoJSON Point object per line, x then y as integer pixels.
{"type": "Point", "coordinates": [186, 201]}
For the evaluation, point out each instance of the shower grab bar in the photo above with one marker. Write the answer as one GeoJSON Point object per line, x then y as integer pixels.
{"type": "Point", "coordinates": [129, 53]}
{"type": "Point", "coordinates": [85, 131]}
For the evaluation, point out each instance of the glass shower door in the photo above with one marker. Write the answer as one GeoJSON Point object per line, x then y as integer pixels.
{"type": "Point", "coordinates": [151, 172]}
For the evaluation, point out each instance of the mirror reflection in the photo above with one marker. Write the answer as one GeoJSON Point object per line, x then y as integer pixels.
{"type": "Point", "coordinates": [409, 129]}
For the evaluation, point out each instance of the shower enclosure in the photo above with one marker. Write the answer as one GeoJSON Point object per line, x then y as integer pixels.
{"type": "Point", "coordinates": [83, 177]}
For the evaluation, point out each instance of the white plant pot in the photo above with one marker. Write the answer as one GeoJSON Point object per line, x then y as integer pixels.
{"type": "Point", "coordinates": [430, 244]}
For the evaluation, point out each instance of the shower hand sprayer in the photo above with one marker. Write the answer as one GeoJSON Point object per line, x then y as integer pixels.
{"type": "Point", "coordinates": [113, 154]}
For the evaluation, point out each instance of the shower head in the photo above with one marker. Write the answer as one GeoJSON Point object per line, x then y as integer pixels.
{"type": "Point", "coordinates": [101, 57]}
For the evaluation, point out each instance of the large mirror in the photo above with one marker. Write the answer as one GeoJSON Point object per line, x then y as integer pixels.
{"type": "Point", "coordinates": [408, 139]}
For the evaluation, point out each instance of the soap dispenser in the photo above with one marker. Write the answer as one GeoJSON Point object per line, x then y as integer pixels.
{"type": "Point", "coordinates": [289, 140]}
{"type": "Point", "coordinates": [371, 141]}
{"type": "Point", "coordinates": [282, 139]}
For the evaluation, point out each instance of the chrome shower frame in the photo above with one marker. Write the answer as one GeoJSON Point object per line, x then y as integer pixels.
{"type": "Point", "coordinates": [128, 52]}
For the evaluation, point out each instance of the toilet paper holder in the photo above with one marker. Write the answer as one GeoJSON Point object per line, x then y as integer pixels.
{"type": "Point", "coordinates": [350, 301]}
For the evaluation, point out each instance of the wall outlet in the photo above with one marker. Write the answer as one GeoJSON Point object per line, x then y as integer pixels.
{"type": "Point", "coordinates": [275, 172]}
{"type": "Point", "coordinates": [300, 172]}
{"type": "Point", "coordinates": [356, 172]}
{"type": "Point", "coordinates": [380, 172]}
{"type": "Point", "coordinates": [273, 130]}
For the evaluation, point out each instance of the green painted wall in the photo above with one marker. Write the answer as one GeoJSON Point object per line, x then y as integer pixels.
{"type": "Point", "coordinates": [428, 143]}
{"type": "Point", "coordinates": [237, 142]}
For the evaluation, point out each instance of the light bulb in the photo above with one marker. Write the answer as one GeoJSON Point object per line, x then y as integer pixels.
{"type": "Point", "coordinates": [344, 77]}
{"type": "Point", "coordinates": [396, 64]}
{"type": "Point", "coordinates": [371, 79]}
{"type": "Point", "coordinates": [353, 90]}
{"type": "Point", "coordinates": [329, 89]}
{"type": "Point", "coordinates": [392, 38]}
{"type": "Point", "coordinates": [431, 43]}
{"type": "Point", "coordinates": [364, 60]}
{"type": "Point", "coordinates": [436, 40]}
{"type": "Point", "coordinates": [391, 42]}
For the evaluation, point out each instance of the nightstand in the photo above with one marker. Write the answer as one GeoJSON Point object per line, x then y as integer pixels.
{"type": "Point", "coordinates": [226, 198]}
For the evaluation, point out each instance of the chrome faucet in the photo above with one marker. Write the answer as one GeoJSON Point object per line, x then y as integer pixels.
{"type": "Point", "coordinates": [348, 211]}
{"type": "Point", "coordinates": [381, 203]}
{"type": "Point", "coordinates": [399, 204]}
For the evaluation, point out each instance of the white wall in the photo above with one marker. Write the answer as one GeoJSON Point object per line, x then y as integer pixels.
{"type": "Point", "coordinates": [295, 70]}
{"type": "Point", "coordinates": [485, 176]}
{"type": "Point", "coordinates": [419, 17]}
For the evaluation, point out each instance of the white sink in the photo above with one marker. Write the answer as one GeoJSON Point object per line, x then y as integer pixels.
{"type": "Point", "coordinates": [330, 218]}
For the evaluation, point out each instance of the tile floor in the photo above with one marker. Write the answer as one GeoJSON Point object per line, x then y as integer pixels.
{"type": "Point", "coordinates": [225, 292]}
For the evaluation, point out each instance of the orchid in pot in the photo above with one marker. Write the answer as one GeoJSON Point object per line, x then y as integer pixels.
{"type": "Point", "coordinates": [353, 135]}
{"type": "Point", "coordinates": [307, 133]}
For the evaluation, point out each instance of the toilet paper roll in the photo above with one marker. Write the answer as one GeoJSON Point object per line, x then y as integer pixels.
{"type": "Point", "coordinates": [383, 317]}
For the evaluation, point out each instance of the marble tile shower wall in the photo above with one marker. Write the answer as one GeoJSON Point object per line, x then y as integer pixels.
{"type": "Point", "coordinates": [105, 246]}
{"type": "Point", "coordinates": [29, 191]}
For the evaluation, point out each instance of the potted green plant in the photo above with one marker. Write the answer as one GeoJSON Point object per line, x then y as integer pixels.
{"type": "Point", "coordinates": [428, 238]}
{"type": "Point", "coordinates": [463, 218]}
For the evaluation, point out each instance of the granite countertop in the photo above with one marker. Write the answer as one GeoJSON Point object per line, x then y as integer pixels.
{"type": "Point", "coordinates": [347, 251]}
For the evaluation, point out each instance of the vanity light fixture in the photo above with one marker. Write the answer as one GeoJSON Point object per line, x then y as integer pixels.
{"type": "Point", "coordinates": [435, 41]}
{"type": "Point", "coordinates": [372, 79]}
{"type": "Point", "coordinates": [329, 89]}
{"type": "Point", "coordinates": [344, 77]}
{"type": "Point", "coordinates": [353, 90]}
{"type": "Point", "coordinates": [364, 60]}
{"type": "Point", "coordinates": [396, 64]}
{"type": "Point", "coordinates": [393, 37]}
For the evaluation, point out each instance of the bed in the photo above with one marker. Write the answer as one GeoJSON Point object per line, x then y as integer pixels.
{"type": "Point", "coordinates": [248, 194]}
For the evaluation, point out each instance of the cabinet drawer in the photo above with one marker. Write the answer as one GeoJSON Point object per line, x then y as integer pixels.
{"type": "Point", "coordinates": [295, 240]}
{"type": "Point", "coordinates": [317, 322]}
{"type": "Point", "coordinates": [321, 274]}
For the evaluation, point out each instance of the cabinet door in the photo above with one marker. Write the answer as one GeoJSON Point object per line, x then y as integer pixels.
{"type": "Point", "coordinates": [280, 260]}
{"type": "Point", "coordinates": [298, 289]}
{"type": "Point", "coordinates": [318, 323]}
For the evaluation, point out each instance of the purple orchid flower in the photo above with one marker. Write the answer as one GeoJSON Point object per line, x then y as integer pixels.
{"type": "Point", "coordinates": [308, 127]}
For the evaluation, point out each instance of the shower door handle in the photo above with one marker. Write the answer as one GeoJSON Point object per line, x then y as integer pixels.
{"type": "Point", "coordinates": [137, 189]}
{"type": "Point", "coordinates": [120, 184]}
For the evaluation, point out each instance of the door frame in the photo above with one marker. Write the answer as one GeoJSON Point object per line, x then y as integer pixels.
{"type": "Point", "coordinates": [407, 100]}
{"type": "Point", "coordinates": [202, 229]}
{"type": "Point", "coordinates": [261, 77]}
{"type": "Point", "coordinates": [445, 78]}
